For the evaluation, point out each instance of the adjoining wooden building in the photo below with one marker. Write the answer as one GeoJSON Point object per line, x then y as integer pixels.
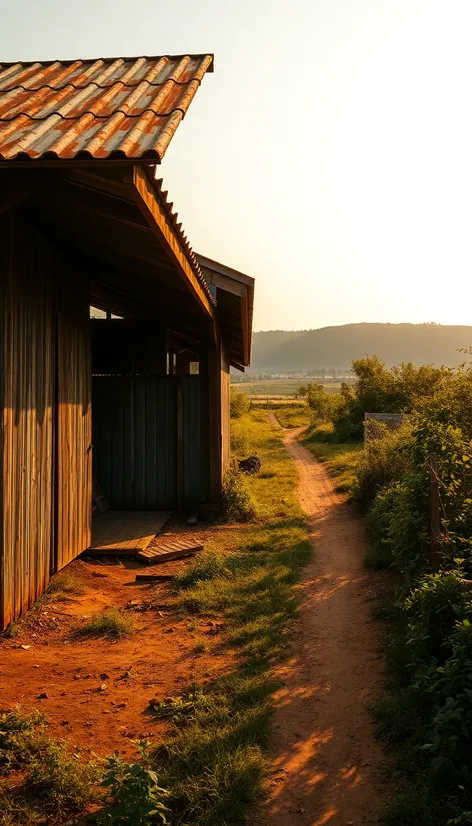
{"type": "Point", "coordinates": [141, 394]}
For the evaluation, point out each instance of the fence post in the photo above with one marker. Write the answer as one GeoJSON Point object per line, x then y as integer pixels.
{"type": "Point", "coordinates": [434, 515]}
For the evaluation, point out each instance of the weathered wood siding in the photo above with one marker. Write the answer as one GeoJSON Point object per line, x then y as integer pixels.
{"type": "Point", "coordinates": [150, 449]}
{"type": "Point", "coordinates": [45, 405]}
{"type": "Point", "coordinates": [27, 352]}
{"type": "Point", "coordinates": [135, 440]}
{"type": "Point", "coordinates": [74, 421]}
{"type": "Point", "coordinates": [195, 440]}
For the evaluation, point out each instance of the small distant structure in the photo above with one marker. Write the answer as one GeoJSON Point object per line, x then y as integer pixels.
{"type": "Point", "coordinates": [376, 423]}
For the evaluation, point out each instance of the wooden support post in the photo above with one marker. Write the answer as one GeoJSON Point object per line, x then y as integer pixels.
{"type": "Point", "coordinates": [434, 515]}
{"type": "Point", "coordinates": [180, 445]}
{"type": "Point", "coordinates": [214, 416]}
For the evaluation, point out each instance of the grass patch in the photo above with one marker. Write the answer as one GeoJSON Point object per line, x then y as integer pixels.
{"type": "Point", "coordinates": [293, 415]}
{"type": "Point", "coordinates": [41, 782]}
{"type": "Point", "coordinates": [109, 623]}
{"type": "Point", "coordinates": [64, 585]}
{"type": "Point", "coordinates": [213, 760]}
{"type": "Point", "coordinates": [341, 459]}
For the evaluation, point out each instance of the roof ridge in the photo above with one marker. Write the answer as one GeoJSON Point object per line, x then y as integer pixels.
{"type": "Point", "coordinates": [78, 86]}
{"type": "Point", "coordinates": [69, 60]}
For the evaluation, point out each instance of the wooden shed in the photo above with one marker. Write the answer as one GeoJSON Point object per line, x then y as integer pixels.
{"type": "Point", "coordinates": [115, 339]}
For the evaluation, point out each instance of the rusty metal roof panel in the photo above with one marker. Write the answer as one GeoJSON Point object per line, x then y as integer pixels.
{"type": "Point", "coordinates": [125, 108]}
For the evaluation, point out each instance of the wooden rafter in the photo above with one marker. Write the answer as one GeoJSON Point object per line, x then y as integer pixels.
{"type": "Point", "coordinates": [155, 215]}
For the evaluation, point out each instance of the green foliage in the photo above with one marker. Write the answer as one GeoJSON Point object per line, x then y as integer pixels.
{"type": "Point", "coordinates": [323, 405]}
{"type": "Point", "coordinates": [427, 716]}
{"type": "Point", "coordinates": [213, 760]}
{"type": "Point", "coordinates": [383, 460]}
{"type": "Point", "coordinates": [238, 502]}
{"type": "Point", "coordinates": [380, 390]}
{"type": "Point", "coordinates": [109, 623]}
{"type": "Point", "coordinates": [208, 565]}
{"type": "Point", "coordinates": [239, 403]}
{"type": "Point", "coordinates": [134, 793]}
{"type": "Point", "coordinates": [54, 783]}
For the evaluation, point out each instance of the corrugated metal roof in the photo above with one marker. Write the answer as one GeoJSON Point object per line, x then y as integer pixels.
{"type": "Point", "coordinates": [117, 108]}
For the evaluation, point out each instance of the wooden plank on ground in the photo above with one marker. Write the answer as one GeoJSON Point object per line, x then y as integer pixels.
{"type": "Point", "coordinates": [122, 533]}
{"type": "Point", "coordinates": [164, 551]}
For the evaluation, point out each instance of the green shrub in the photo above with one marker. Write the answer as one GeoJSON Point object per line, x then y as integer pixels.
{"type": "Point", "coordinates": [54, 783]}
{"type": "Point", "coordinates": [238, 503]}
{"type": "Point", "coordinates": [21, 735]}
{"type": "Point", "coordinates": [59, 780]}
{"type": "Point", "coordinates": [135, 796]}
{"type": "Point", "coordinates": [239, 403]}
{"type": "Point", "coordinates": [384, 459]}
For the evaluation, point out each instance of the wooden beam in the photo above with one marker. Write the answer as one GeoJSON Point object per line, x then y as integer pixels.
{"type": "Point", "coordinates": [154, 213]}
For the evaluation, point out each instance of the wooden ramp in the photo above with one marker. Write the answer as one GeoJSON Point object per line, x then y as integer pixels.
{"type": "Point", "coordinates": [164, 551]}
{"type": "Point", "coordinates": [122, 533]}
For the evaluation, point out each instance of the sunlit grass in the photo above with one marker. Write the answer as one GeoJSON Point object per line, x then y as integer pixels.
{"type": "Point", "coordinates": [341, 459]}
{"type": "Point", "coordinates": [214, 761]}
{"type": "Point", "coordinates": [108, 623]}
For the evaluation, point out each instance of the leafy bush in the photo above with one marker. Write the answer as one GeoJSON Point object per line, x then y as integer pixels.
{"type": "Point", "coordinates": [238, 503]}
{"type": "Point", "coordinates": [134, 793]}
{"type": "Point", "coordinates": [380, 390]}
{"type": "Point", "coordinates": [239, 403]}
{"type": "Point", "coordinates": [428, 713]}
{"type": "Point", "coordinates": [383, 460]}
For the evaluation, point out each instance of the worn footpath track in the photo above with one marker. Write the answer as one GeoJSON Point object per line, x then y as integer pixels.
{"type": "Point", "coordinates": [328, 767]}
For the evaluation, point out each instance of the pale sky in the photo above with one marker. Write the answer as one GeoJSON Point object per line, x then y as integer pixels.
{"type": "Point", "coordinates": [329, 155]}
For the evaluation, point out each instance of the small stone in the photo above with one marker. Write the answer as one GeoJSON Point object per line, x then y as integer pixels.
{"type": "Point", "coordinates": [103, 687]}
{"type": "Point", "coordinates": [121, 705]}
{"type": "Point", "coordinates": [104, 676]}
{"type": "Point", "coordinates": [25, 647]}
{"type": "Point", "coordinates": [64, 722]}
{"type": "Point", "coordinates": [43, 696]}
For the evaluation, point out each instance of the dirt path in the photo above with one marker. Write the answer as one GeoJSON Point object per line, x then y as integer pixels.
{"type": "Point", "coordinates": [328, 766]}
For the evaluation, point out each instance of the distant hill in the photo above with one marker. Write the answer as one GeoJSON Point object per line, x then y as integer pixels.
{"type": "Point", "coordinates": [280, 351]}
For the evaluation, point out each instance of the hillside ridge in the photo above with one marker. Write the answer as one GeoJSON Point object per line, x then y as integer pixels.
{"type": "Point", "coordinates": [285, 351]}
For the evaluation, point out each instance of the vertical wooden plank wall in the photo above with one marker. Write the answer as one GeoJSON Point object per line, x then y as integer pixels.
{"type": "Point", "coordinates": [135, 440]}
{"type": "Point", "coordinates": [27, 354]}
{"type": "Point", "coordinates": [74, 419]}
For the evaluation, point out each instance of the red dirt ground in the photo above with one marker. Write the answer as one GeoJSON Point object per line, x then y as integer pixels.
{"type": "Point", "coordinates": [98, 690]}
{"type": "Point", "coordinates": [328, 766]}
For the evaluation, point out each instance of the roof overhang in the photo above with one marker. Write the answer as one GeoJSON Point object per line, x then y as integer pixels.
{"type": "Point", "coordinates": [121, 222]}
{"type": "Point", "coordinates": [235, 304]}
